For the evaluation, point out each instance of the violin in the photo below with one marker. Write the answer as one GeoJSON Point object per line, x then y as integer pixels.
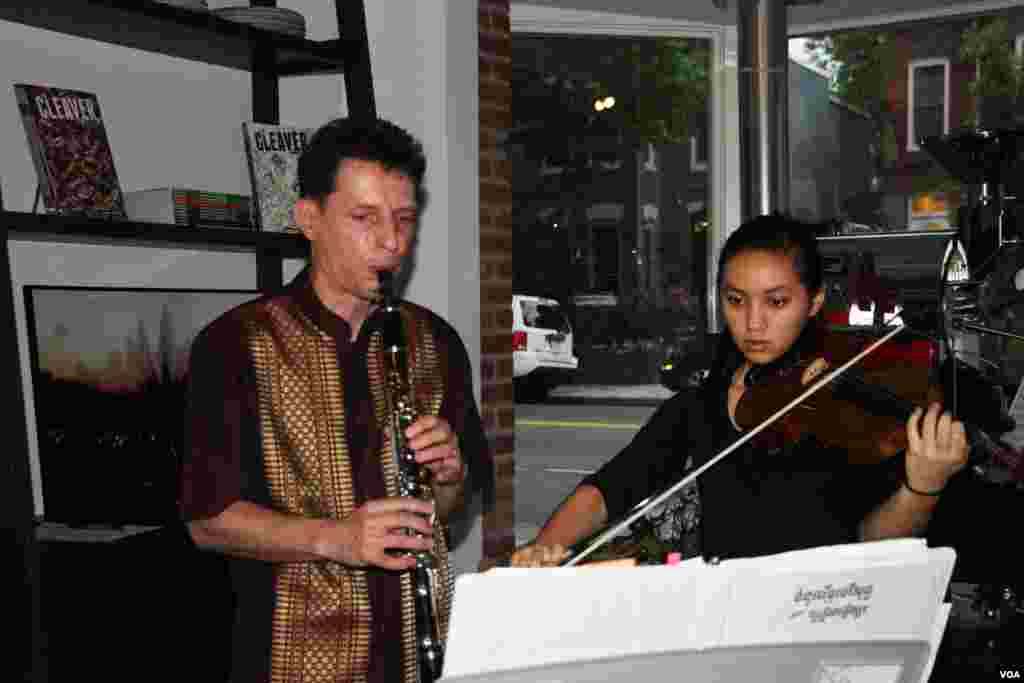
{"type": "Point", "coordinates": [862, 411]}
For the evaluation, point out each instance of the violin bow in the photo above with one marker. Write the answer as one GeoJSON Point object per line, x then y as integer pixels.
{"type": "Point", "coordinates": [641, 508]}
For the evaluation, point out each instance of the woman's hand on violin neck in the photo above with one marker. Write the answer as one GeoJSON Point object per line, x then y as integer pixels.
{"type": "Point", "coordinates": [936, 448]}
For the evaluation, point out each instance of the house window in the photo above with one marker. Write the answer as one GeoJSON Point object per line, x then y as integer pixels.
{"type": "Point", "coordinates": [699, 143]}
{"type": "Point", "coordinates": [928, 113]}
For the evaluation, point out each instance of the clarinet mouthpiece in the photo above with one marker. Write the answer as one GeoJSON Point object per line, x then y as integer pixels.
{"type": "Point", "coordinates": [386, 286]}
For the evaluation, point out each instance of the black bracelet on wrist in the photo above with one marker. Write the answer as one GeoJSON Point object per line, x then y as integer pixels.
{"type": "Point", "coordinates": [920, 493]}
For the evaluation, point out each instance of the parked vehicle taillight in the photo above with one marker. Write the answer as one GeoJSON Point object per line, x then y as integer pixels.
{"type": "Point", "coordinates": [519, 341]}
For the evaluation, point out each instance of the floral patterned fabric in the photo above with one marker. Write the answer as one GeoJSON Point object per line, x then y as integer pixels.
{"type": "Point", "coordinates": [676, 522]}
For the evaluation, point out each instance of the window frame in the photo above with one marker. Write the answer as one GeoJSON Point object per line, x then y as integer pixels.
{"type": "Point", "coordinates": [912, 66]}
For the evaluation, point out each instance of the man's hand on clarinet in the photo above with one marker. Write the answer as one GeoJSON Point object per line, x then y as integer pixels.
{"type": "Point", "coordinates": [437, 448]}
{"type": "Point", "coordinates": [364, 538]}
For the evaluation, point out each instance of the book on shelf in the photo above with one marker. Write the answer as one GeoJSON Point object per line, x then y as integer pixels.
{"type": "Point", "coordinates": [272, 152]}
{"type": "Point", "coordinates": [70, 151]}
{"type": "Point", "coordinates": [189, 208]}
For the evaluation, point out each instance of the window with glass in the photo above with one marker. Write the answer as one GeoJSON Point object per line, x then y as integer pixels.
{"type": "Point", "coordinates": [610, 185]}
{"type": "Point", "coordinates": [609, 149]}
{"type": "Point", "coordinates": [898, 133]}
{"type": "Point", "coordinates": [869, 108]}
{"type": "Point", "coordinates": [929, 101]}
{"type": "Point", "coordinates": [861, 101]}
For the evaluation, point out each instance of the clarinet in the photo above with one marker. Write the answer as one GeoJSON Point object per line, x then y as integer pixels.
{"type": "Point", "coordinates": [411, 480]}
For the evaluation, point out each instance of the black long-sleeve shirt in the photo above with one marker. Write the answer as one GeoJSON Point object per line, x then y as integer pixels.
{"type": "Point", "coordinates": [758, 500]}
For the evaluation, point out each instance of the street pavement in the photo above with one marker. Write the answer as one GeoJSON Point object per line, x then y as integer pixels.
{"type": "Point", "coordinates": [569, 435]}
{"type": "Point", "coordinates": [610, 393]}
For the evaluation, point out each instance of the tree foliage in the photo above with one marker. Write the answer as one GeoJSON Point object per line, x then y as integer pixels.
{"type": "Point", "coordinates": [659, 86]}
{"type": "Point", "coordinates": [987, 43]}
{"type": "Point", "coordinates": [670, 87]}
{"type": "Point", "coordinates": [861, 64]}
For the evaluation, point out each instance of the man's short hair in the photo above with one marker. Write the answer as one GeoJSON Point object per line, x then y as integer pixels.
{"type": "Point", "coordinates": [375, 140]}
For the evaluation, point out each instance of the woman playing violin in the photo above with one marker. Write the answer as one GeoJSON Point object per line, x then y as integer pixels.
{"type": "Point", "coordinates": [760, 500]}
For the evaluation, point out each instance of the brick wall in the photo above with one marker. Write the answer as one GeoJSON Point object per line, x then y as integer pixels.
{"type": "Point", "coordinates": [496, 270]}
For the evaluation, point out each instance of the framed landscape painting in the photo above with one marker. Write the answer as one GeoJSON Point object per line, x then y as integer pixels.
{"type": "Point", "coordinates": [109, 371]}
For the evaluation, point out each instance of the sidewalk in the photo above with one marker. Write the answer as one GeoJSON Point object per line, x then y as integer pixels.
{"type": "Point", "coordinates": [642, 394]}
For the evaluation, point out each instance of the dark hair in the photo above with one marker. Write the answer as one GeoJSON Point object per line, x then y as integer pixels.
{"type": "Point", "coordinates": [772, 232]}
{"type": "Point", "coordinates": [777, 232]}
{"type": "Point", "coordinates": [366, 140]}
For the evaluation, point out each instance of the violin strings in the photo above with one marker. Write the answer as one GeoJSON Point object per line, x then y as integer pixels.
{"type": "Point", "coordinates": [875, 392]}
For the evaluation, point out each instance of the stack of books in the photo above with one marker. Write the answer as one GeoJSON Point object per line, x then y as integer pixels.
{"type": "Point", "coordinates": [186, 207]}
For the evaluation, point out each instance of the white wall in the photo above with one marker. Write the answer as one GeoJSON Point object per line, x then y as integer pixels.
{"type": "Point", "coordinates": [170, 121]}
{"type": "Point", "coordinates": [176, 122]}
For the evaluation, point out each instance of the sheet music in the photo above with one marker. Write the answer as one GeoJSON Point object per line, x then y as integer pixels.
{"type": "Point", "coordinates": [852, 598]}
{"type": "Point", "coordinates": [941, 619]}
{"type": "Point", "coordinates": [858, 673]}
{"type": "Point", "coordinates": [577, 613]}
{"type": "Point", "coordinates": [855, 596]}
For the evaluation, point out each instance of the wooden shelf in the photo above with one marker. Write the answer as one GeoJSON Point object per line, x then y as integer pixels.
{"type": "Point", "coordinates": [178, 32]}
{"type": "Point", "coordinates": [45, 227]}
{"type": "Point", "coordinates": [205, 38]}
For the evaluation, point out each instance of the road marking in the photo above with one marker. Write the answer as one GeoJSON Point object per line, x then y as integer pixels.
{"type": "Point", "coordinates": [577, 424]}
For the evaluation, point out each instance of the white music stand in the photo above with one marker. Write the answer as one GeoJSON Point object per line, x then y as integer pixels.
{"type": "Point", "coordinates": [861, 613]}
